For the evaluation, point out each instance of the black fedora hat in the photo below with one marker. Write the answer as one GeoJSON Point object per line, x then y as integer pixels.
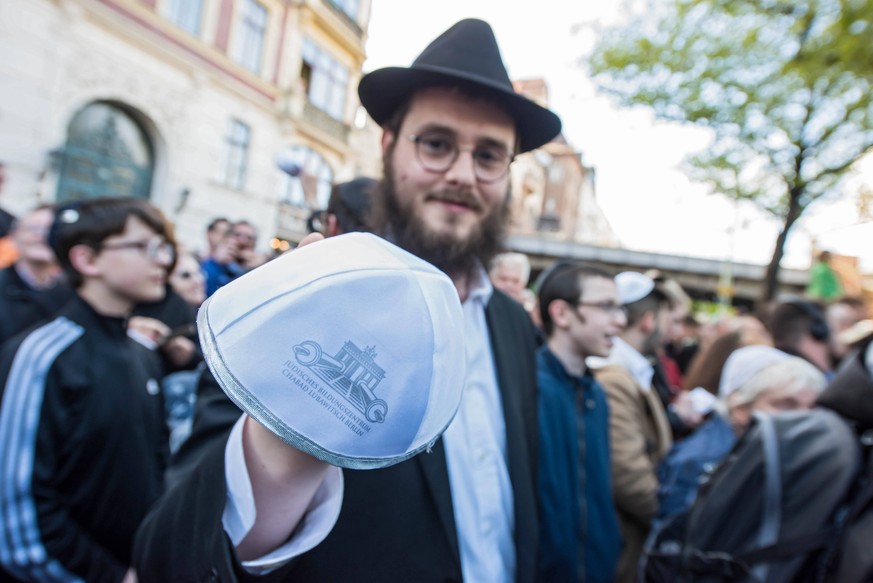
{"type": "Point", "coordinates": [466, 54]}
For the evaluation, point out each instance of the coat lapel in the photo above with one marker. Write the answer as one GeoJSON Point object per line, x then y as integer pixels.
{"type": "Point", "coordinates": [512, 343]}
{"type": "Point", "coordinates": [436, 475]}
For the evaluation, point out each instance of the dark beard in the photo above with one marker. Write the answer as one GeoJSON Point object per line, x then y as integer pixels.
{"type": "Point", "coordinates": [444, 251]}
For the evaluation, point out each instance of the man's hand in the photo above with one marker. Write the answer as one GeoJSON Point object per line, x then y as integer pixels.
{"type": "Point", "coordinates": [684, 405]}
{"type": "Point", "coordinates": [226, 251]}
{"type": "Point", "coordinates": [147, 331]}
{"type": "Point", "coordinates": [179, 350]}
{"type": "Point", "coordinates": [249, 258]}
{"type": "Point", "coordinates": [284, 480]}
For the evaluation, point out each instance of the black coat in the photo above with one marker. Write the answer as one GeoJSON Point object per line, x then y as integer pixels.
{"type": "Point", "coordinates": [396, 523]}
{"type": "Point", "coordinates": [21, 306]}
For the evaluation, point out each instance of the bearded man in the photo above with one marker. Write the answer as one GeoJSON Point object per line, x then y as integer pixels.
{"type": "Point", "coordinates": [466, 510]}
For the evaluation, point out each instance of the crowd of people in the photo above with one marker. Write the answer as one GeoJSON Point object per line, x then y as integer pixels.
{"type": "Point", "coordinates": [595, 403]}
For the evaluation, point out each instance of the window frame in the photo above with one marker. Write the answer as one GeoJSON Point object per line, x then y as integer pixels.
{"type": "Point", "coordinates": [179, 12]}
{"type": "Point", "coordinates": [237, 143]}
{"type": "Point", "coordinates": [327, 80]}
{"type": "Point", "coordinates": [251, 35]}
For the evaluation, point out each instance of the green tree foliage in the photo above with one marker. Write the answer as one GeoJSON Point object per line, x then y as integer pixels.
{"type": "Point", "coordinates": [785, 85]}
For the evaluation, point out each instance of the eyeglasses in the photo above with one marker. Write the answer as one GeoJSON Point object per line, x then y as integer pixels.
{"type": "Point", "coordinates": [611, 308]}
{"type": "Point", "coordinates": [437, 152]}
{"type": "Point", "coordinates": [152, 249]}
{"type": "Point", "coordinates": [187, 274]}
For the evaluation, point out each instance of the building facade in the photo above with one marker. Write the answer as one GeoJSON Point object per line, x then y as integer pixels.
{"type": "Point", "coordinates": [553, 191]}
{"type": "Point", "coordinates": [188, 103]}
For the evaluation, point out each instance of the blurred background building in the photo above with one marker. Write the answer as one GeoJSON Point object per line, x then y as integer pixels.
{"type": "Point", "coordinates": [184, 102]}
{"type": "Point", "coordinates": [195, 105]}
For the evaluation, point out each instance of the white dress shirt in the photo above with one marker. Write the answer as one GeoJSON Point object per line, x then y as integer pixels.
{"type": "Point", "coordinates": [239, 511]}
{"type": "Point", "coordinates": [475, 446]}
{"type": "Point", "coordinates": [628, 357]}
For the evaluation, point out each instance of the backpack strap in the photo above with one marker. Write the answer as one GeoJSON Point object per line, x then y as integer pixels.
{"type": "Point", "coordinates": [790, 547]}
{"type": "Point", "coordinates": [771, 521]}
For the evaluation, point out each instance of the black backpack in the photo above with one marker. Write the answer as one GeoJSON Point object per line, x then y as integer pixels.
{"type": "Point", "coordinates": [791, 502]}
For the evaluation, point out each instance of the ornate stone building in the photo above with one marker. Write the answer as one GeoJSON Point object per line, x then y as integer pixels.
{"type": "Point", "coordinates": [190, 103]}
{"type": "Point", "coordinates": [185, 102]}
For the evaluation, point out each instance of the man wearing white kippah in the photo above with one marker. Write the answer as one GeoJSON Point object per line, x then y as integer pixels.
{"type": "Point", "coordinates": [638, 427]}
{"type": "Point", "coordinates": [250, 504]}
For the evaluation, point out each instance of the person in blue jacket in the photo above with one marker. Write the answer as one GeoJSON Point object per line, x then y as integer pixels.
{"type": "Point", "coordinates": [579, 532]}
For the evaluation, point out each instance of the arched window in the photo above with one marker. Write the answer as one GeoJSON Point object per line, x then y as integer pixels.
{"type": "Point", "coordinates": [107, 154]}
{"type": "Point", "coordinates": [311, 189]}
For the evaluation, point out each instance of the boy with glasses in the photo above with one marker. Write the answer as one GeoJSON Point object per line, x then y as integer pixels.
{"type": "Point", "coordinates": [639, 431]}
{"type": "Point", "coordinates": [581, 317]}
{"type": "Point", "coordinates": [83, 440]}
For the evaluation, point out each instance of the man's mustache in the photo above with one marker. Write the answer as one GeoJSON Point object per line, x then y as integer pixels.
{"type": "Point", "coordinates": [465, 198]}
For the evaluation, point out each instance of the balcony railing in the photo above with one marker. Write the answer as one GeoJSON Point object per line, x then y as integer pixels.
{"type": "Point", "coordinates": [325, 122]}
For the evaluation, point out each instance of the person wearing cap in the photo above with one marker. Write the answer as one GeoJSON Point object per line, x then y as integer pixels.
{"type": "Point", "coordinates": [467, 509]}
{"type": "Point", "coordinates": [755, 378]}
{"type": "Point", "coordinates": [639, 431]}
{"type": "Point", "coordinates": [579, 534]}
{"type": "Point", "coordinates": [81, 412]}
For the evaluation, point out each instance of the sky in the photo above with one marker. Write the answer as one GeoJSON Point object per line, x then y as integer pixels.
{"type": "Point", "coordinates": [647, 199]}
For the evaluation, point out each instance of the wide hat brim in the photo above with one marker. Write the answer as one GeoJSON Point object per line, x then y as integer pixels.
{"type": "Point", "coordinates": [467, 56]}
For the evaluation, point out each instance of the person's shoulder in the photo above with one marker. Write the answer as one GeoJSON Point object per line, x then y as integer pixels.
{"type": "Point", "coordinates": [505, 307]}
{"type": "Point", "coordinates": [42, 344]}
{"type": "Point", "coordinates": [8, 276]}
{"type": "Point", "coordinates": [613, 377]}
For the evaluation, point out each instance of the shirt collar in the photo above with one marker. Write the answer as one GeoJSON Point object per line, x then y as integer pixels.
{"type": "Point", "coordinates": [558, 370]}
{"type": "Point", "coordinates": [480, 288]}
{"type": "Point", "coordinates": [625, 355]}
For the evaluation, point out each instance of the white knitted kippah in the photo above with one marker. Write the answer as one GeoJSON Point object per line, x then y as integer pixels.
{"type": "Point", "coordinates": [746, 362]}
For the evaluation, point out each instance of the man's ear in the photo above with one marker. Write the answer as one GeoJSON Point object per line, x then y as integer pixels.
{"type": "Point", "coordinates": [387, 139]}
{"type": "Point", "coordinates": [559, 311]}
{"type": "Point", "coordinates": [332, 228]}
{"type": "Point", "coordinates": [84, 260]}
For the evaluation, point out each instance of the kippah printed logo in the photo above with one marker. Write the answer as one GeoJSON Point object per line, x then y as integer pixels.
{"type": "Point", "coordinates": [350, 377]}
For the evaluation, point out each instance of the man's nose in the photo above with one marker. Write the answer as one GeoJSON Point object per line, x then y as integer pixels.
{"type": "Point", "coordinates": [463, 169]}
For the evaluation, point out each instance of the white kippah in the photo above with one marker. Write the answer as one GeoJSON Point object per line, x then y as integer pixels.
{"type": "Point", "coordinates": [633, 286]}
{"type": "Point", "coordinates": [350, 349]}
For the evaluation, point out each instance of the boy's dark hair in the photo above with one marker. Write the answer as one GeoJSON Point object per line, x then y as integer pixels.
{"type": "Point", "coordinates": [563, 281]}
{"type": "Point", "coordinates": [90, 222]}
